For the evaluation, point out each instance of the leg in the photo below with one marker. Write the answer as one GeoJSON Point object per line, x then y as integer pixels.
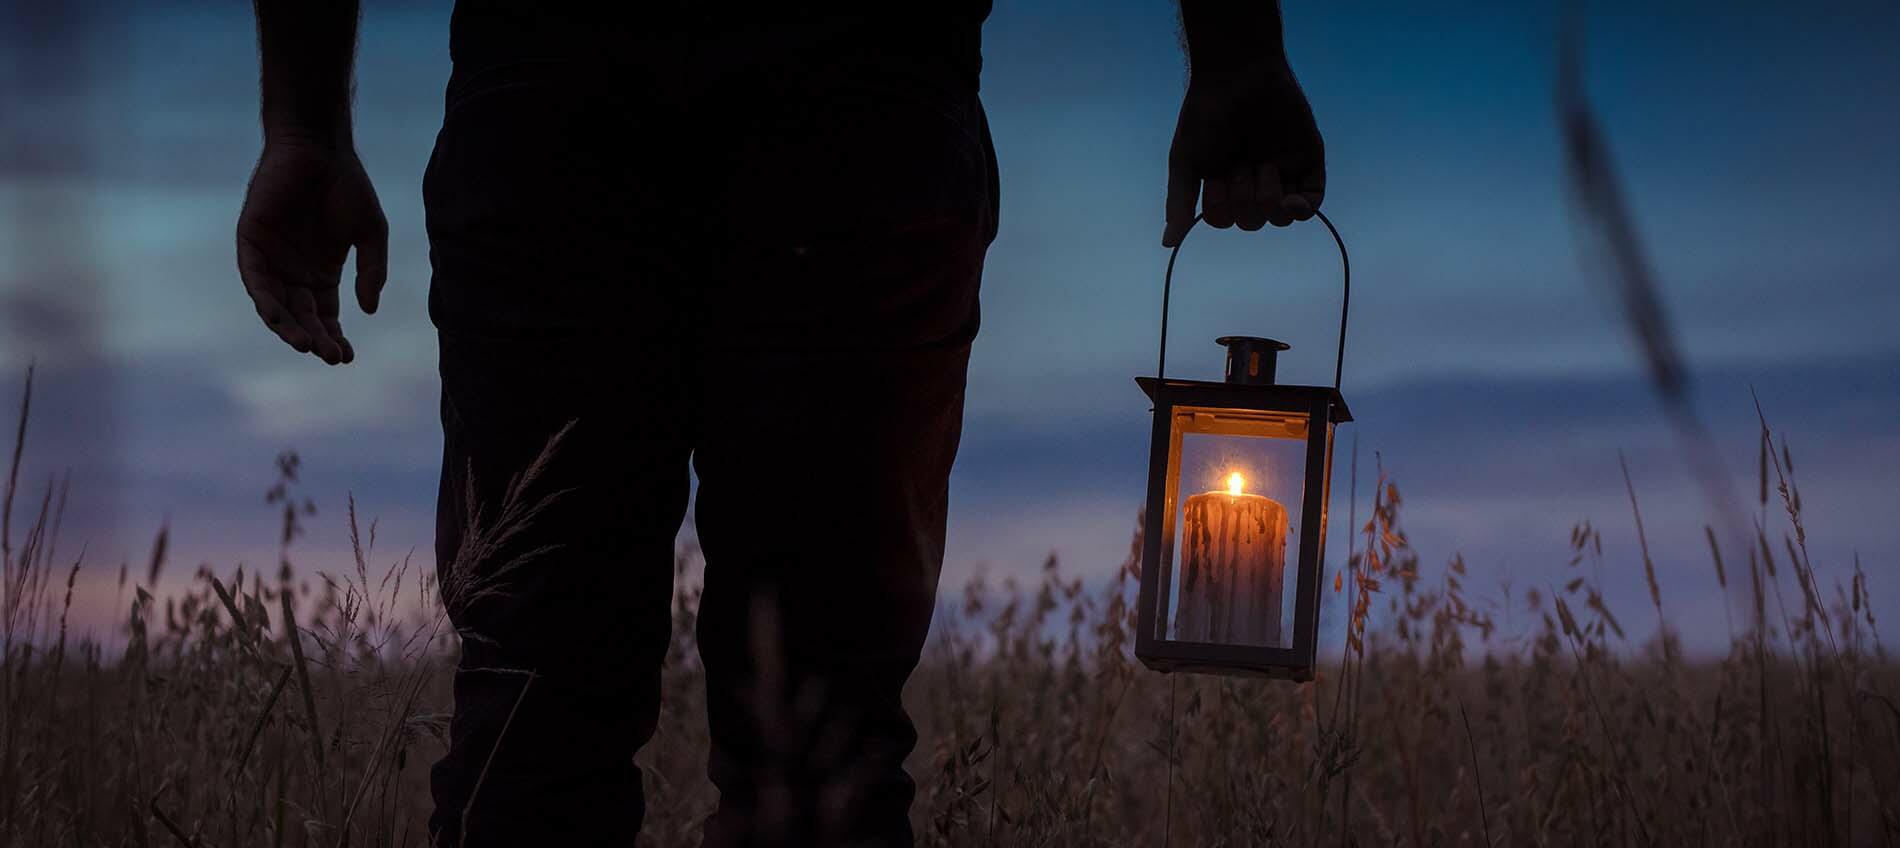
{"type": "Point", "coordinates": [553, 320]}
{"type": "Point", "coordinates": [831, 394]}
{"type": "Point", "coordinates": [568, 576]}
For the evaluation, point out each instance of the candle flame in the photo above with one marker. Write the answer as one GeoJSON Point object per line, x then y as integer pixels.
{"type": "Point", "coordinates": [1236, 484]}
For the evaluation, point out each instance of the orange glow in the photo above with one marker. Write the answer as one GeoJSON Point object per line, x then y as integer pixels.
{"type": "Point", "coordinates": [1236, 484]}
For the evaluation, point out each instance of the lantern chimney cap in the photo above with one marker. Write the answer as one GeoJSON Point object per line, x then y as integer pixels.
{"type": "Point", "coordinates": [1251, 360]}
{"type": "Point", "coordinates": [1274, 344]}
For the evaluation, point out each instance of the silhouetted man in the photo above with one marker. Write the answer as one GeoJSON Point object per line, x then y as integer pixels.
{"type": "Point", "coordinates": [744, 236]}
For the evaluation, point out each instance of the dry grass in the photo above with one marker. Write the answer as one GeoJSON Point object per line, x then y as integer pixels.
{"type": "Point", "coordinates": [221, 724]}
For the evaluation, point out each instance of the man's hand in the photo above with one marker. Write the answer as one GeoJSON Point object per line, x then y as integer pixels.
{"type": "Point", "coordinates": [307, 205]}
{"type": "Point", "coordinates": [1247, 146]}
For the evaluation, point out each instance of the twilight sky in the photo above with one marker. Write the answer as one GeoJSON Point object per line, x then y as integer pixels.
{"type": "Point", "coordinates": [1488, 372]}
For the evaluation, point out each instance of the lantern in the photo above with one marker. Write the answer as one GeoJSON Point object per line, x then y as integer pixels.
{"type": "Point", "coordinates": [1239, 473]}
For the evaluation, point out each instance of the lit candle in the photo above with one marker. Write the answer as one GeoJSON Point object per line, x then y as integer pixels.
{"type": "Point", "coordinates": [1233, 567]}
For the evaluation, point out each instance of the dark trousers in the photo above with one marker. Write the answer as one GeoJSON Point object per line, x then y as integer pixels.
{"type": "Point", "coordinates": [771, 276]}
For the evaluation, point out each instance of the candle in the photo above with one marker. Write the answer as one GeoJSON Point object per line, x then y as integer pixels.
{"type": "Point", "coordinates": [1233, 567]}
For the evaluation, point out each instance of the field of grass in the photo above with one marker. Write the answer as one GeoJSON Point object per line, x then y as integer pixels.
{"type": "Point", "coordinates": [222, 723]}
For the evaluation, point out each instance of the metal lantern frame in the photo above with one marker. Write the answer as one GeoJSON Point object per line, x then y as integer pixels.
{"type": "Point", "coordinates": [1248, 390]}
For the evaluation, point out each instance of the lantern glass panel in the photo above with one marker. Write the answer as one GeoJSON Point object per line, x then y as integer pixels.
{"type": "Point", "coordinates": [1236, 495]}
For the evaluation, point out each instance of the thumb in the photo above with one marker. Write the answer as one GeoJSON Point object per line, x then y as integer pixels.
{"type": "Point", "coordinates": [1184, 190]}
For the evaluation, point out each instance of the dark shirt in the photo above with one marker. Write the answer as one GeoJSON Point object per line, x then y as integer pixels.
{"type": "Point", "coordinates": [935, 43]}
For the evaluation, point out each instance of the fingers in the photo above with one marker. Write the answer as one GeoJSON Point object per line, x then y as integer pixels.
{"type": "Point", "coordinates": [267, 293]}
{"type": "Point", "coordinates": [329, 315]}
{"type": "Point", "coordinates": [1312, 191]}
{"type": "Point", "coordinates": [1262, 195]}
{"type": "Point", "coordinates": [1214, 208]}
{"type": "Point", "coordinates": [303, 308]}
{"type": "Point", "coordinates": [372, 264]}
{"type": "Point", "coordinates": [1266, 196]}
{"type": "Point", "coordinates": [1251, 197]}
{"type": "Point", "coordinates": [1274, 194]}
{"type": "Point", "coordinates": [1241, 201]}
{"type": "Point", "coordinates": [293, 302]}
{"type": "Point", "coordinates": [279, 319]}
{"type": "Point", "coordinates": [1294, 207]}
{"type": "Point", "coordinates": [1303, 183]}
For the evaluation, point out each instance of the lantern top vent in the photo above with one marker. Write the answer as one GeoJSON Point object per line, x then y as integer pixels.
{"type": "Point", "coordinates": [1252, 360]}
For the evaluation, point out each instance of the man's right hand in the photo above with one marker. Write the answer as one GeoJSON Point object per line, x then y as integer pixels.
{"type": "Point", "coordinates": [307, 205]}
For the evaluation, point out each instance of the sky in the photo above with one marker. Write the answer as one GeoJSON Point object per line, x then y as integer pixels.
{"type": "Point", "coordinates": [1489, 373]}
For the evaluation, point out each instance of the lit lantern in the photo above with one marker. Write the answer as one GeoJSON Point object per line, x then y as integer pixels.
{"type": "Point", "coordinates": [1239, 473]}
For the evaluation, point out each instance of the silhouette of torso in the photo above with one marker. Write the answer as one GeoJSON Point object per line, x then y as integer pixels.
{"type": "Point", "coordinates": [934, 43]}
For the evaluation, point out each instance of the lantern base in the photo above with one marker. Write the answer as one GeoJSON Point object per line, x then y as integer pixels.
{"type": "Point", "coordinates": [1183, 658]}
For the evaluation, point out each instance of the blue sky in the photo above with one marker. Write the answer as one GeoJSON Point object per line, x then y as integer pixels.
{"type": "Point", "coordinates": [1488, 372]}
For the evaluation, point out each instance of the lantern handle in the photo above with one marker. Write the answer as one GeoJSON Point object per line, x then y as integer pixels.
{"type": "Point", "coordinates": [1345, 300]}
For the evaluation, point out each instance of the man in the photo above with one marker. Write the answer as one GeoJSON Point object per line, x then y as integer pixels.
{"type": "Point", "coordinates": [749, 240]}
